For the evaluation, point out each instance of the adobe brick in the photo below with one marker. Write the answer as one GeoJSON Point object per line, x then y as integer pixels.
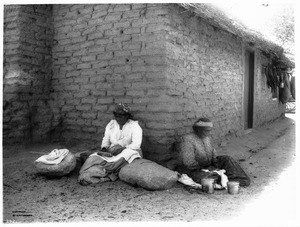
{"type": "Point", "coordinates": [83, 122]}
{"type": "Point", "coordinates": [113, 17]}
{"type": "Point", "coordinates": [107, 100]}
{"type": "Point", "coordinates": [136, 93]}
{"type": "Point", "coordinates": [87, 86]}
{"type": "Point", "coordinates": [88, 58]}
{"type": "Point", "coordinates": [81, 94]}
{"type": "Point", "coordinates": [122, 53]}
{"type": "Point", "coordinates": [96, 49]}
{"type": "Point", "coordinates": [95, 36]}
{"type": "Point", "coordinates": [122, 7]}
{"type": "Point", "coordinates": [134, 77]}
{"type": "Point", "coordinates": [73, 34]}
{"type": "Point", "coordinates": [85, 10]}
{"type": "Point", "coordinates": [122, 69]}
{"type": "Point", "coordinates": [112, 32]}
{"type": "Point", "coordinates": [88, 72]}
{"type": "Point", "coordinates": [84, 66]}
{"type": "Point", "coordinates": [131, 14]}
{"type": "Point", "coordinates": [101, 7]}
{"type": "Point", "coordinates": [103, 41]}
{"type": "Point", "coordinates": [81, 80]}
{"type": "Point", "coordinates": [66, 68]}
{"type": "Point", "coordinates": [104, 71]}
{"type": "Point", "coordinates": [160, 125]}
{"type": "Point", "coordinates": [100, 64]}
{"type": "Point", "coordinates": [135, 30]}
{"type": "Point", "coordinates": [98, 93]}
{"type": "Point", "coordinates": [125, 24]}
{"type": "Point", "coordinates": [105, 56]}
{"type": "Point", "coordinates": [115, 93]}
{"type": "Point", "coordinates": [98, 123]}
{"type": "Point", "coordinates": [76, 7]}
{"type": "Point", "coordinates": [73, 47]}
{"type": "Point", "coordinates": [84, 19]}
{"type": "Point", "coordinates": [117, 61]}
{"type": "Point", "coordinates": [104, 26]}
{"type": "Point", "coordinates": [69, 22]}
{"type": "Point", "coordinates": [97, 78]}
{"type": "Point", "coordinates": [73, 73]}
{"type": "Point", "coordinates": [89, 100]}
{"type": "Point", "coordinates": [72, 87]}
{"type": "Point", "coordinates": [79, 53]}
{"type": "Point", "coordinates": [98, 14]}
{"type": "Point", "coordinates": [73, 114]}
{"type": "Point", "coordinates": [123, 100]}
{"type": "Point", "coordinates": [67, 108]}
{"type": "Point", "coordinates": [64, 29]}
{"type": "Point", "coordinates": [79, 26]}
{"type": "Point", "coordinates": [89, 129]}
{"type": "Point", "coordinates": [85, 107]}
{"type": "Point", "coordinates": [138, 6]}
{"type": "Point", "coordinates": [122, 38]}
{"type": "Point", "coordinates": [152, 51]}
{"type": "Point", "coordinates": [95, 21]}
{"type": "Point", "coordinates": [89, 30]}
{"type": "Point", "coordinates": [64, 81]}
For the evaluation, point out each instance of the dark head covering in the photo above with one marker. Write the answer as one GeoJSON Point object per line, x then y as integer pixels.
{"type": "Point", "coordinates": [122, 109]}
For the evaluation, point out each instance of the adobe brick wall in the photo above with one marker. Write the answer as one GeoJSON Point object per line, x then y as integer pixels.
{"type": "Point", "coordinates": [67, 65]}
{"type": "Point", "coordinates": [105, 54]}
{"type": "Point", "coordinates": [27, 72]}
{"type": "Point", "coordinates": [205, 68]}
{"type": "Point", "coordinates": [206, 73]}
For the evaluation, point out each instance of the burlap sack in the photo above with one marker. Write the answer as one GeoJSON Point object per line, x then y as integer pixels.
{"type": "Point", "coordinates": [67, 165]}
{"type": "Point", "coordinates": [148, 174]}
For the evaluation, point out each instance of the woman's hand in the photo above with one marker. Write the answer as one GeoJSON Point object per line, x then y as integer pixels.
{"type": "Point", "coordinates": [117, 149]}
{"type": "Point", "coordinates": [104, 152]}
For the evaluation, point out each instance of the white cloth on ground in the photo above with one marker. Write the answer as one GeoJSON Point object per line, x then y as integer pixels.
{"type": "Point", "coordinates": [185, 179]}
{"type": "Point", "coordinates": [54, 157]}
{"type": "Point", "coordinates": [224, 178]}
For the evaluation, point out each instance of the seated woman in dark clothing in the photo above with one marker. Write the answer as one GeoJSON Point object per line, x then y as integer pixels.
{"type": "Point", "coordinates": [196, 153]}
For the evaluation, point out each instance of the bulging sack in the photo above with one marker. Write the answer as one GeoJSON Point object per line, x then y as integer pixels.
{"type": "Point", "coordinates": [148, 174]}
{"type": "Point", "coordinates": [67, 165]}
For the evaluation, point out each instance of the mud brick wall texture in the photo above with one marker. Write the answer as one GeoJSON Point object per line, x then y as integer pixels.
{"type": "Point", "coordinates": [27, 72]}
{"type": "Point", "coordinates": [169, 66]}
{"type": "Point", "coordinates": [206, 74]}
{"type": "Point", "coordinates": [105, 54]}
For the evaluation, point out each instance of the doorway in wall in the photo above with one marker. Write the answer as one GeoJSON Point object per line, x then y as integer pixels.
{"type": "Point", "coordinates": [248, 89]}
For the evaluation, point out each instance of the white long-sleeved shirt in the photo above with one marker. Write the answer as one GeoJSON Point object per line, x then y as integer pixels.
{"type": "Point", "coordinates": [130, 136]}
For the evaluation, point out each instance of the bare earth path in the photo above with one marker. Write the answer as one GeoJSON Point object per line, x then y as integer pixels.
{"type": "Point", "coordinates": [267, 155]}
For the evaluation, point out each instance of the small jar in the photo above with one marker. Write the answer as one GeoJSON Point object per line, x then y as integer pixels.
{"type": "Point", "coordinates": [208, 185]}
{"type": "Point", "coordinates": [233, 187]}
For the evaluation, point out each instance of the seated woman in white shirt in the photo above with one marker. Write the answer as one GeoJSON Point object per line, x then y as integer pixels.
{"type": "Point", "coordinates": [122, 134]}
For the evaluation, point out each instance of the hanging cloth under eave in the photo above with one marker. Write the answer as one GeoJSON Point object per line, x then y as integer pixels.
{"type": "Point", "coordinates": [272, 80]}
{"type": "Point", "coordinates": [284, 88]}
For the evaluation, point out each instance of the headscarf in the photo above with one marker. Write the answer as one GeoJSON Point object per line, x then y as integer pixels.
{"type": "Point", "coordinates": [204, 123]}
{"type": "Point", "coordinates": [122, 109]}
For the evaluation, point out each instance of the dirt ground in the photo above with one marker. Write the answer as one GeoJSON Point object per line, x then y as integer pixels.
{"type": "Point", "coordinates": [266, 154]}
